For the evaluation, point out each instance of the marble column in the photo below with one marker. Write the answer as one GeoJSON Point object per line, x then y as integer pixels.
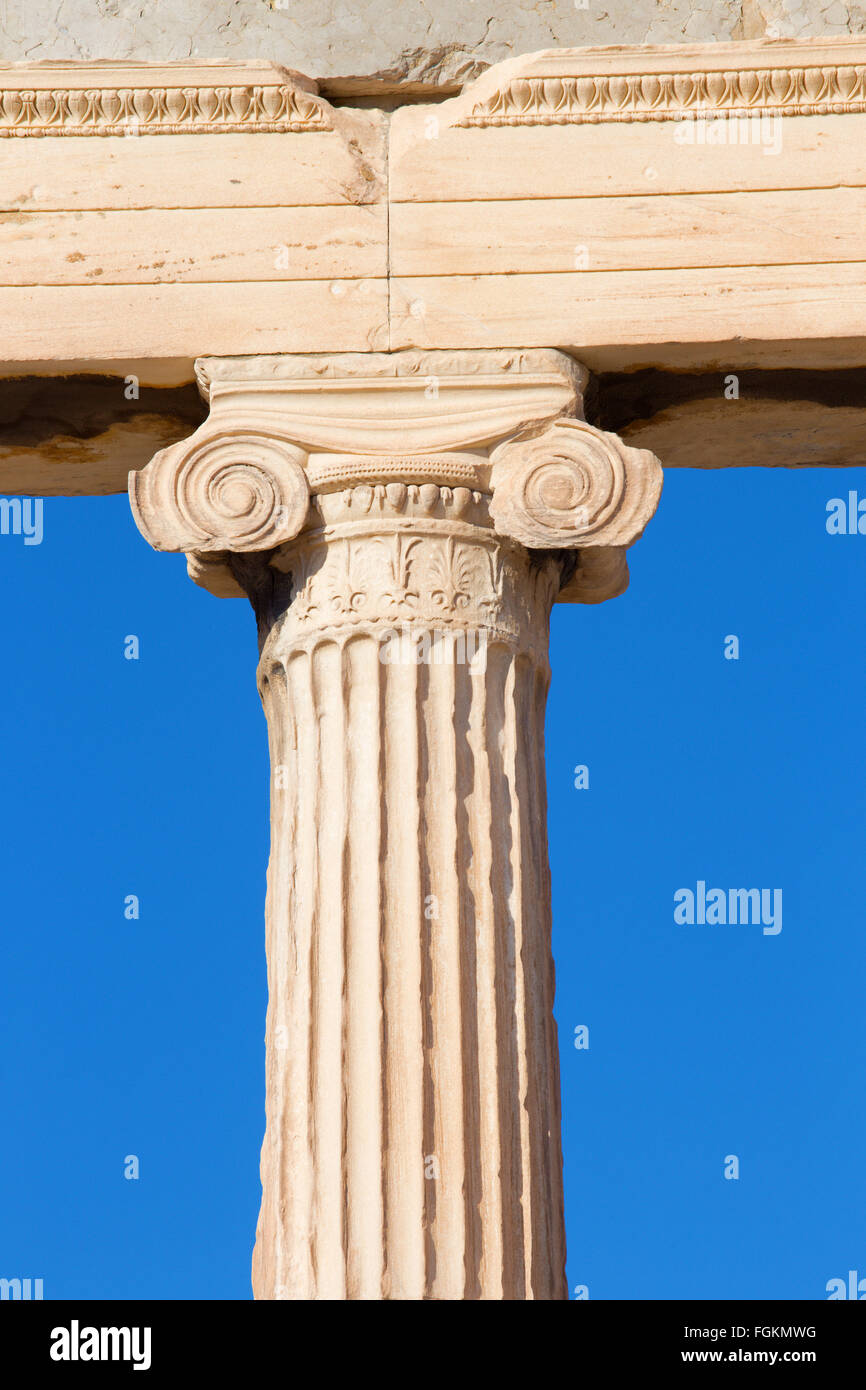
{"type": "Point", "coordinates": [402, 524]}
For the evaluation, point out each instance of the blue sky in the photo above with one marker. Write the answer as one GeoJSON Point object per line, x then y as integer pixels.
{"type": "Point", "coordinates": [150, 777]}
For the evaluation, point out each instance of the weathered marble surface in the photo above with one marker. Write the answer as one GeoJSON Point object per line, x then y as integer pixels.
{"type": "Point", "coordinates": [394, 40]}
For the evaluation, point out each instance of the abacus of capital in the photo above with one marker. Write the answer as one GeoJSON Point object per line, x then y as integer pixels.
{"type": "Point", "coordinates": [412, 1147]}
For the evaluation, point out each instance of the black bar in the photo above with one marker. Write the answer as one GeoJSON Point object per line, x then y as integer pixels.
{"type": "Point", "coordinates": [224, 1339]}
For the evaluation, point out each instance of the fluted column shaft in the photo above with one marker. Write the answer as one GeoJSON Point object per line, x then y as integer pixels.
{"type": "Point", "coordinates": [412, 1146]}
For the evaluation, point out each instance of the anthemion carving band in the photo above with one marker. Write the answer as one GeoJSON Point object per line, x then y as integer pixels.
{"type": "Point", "coordinates": [412, 1147]}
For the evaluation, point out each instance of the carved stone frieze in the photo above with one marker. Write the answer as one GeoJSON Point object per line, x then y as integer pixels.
{"type": "Point", "coordinates": [161, 110]}
{"type": "Point", "coordinates": [813, 89]}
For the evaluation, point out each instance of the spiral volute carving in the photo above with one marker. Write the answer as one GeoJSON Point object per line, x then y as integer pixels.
{"type": "Point", "coordinates": [234, 490]}
{"type": "Point", "coordinates": [573, 486]}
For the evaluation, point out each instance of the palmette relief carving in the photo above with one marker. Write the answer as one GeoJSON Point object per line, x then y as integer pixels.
{"type": "Point", "coordinates": [446, 571]}
{"type": "Point", "coordinates": [573, 485]}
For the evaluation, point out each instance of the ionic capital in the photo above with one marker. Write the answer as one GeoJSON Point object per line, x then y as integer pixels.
{"type": "Point", "coordinates": [286, 432]}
